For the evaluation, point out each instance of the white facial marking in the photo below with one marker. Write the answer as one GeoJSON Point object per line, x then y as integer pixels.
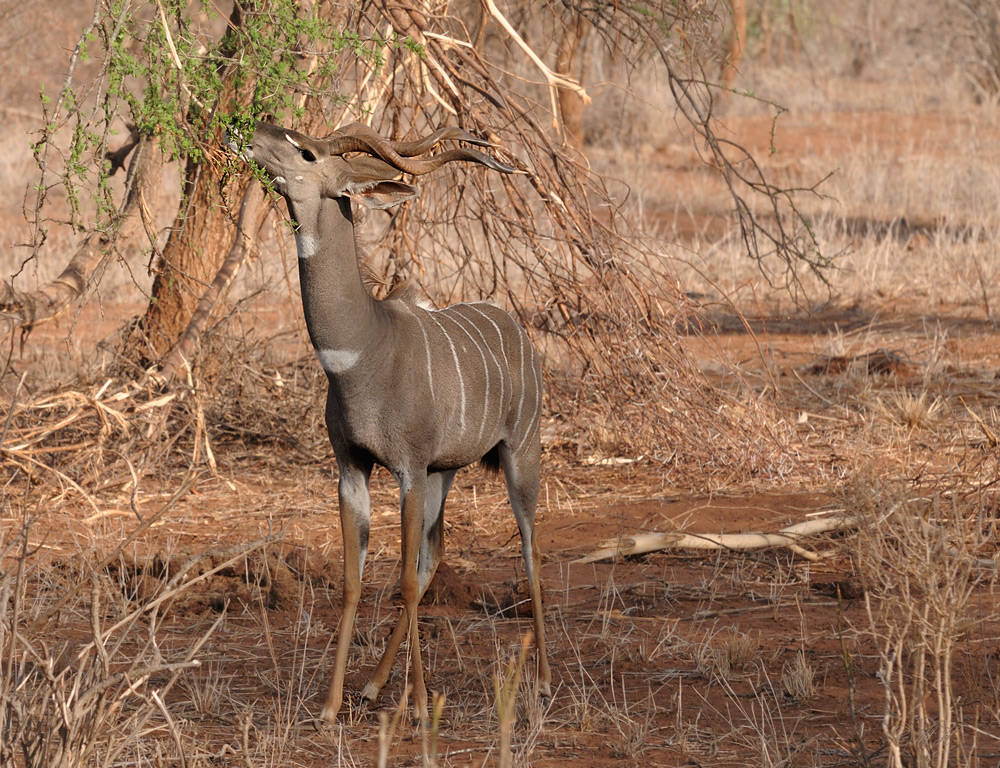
{"type": "Point", "coordinates": [337, 360]}
{"type": "Point", "coordinates": [306, 245]}
{"type": "Point", "coordinates": [293, 142]}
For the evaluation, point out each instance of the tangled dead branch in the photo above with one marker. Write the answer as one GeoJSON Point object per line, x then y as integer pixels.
{"type": "Point", "coordinates": [75, 445]}
{"type": "Point", "coordinates": [553, 244]}
{"type": "Point", "coordinates": [550, 243]}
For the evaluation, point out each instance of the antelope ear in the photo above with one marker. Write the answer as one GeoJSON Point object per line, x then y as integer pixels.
{"type": "Point", "coordinates": [384, 194]}
{"type": "Point", "coordinates": [374, 183]}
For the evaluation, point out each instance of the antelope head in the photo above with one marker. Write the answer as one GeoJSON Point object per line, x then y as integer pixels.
{"type": "Point", "coordinates": [302, 168]}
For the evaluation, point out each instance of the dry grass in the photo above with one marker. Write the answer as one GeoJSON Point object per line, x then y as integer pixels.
{"type": "Point", "coordinates": [798, 678]}
{"type": "Point", "coordinates": [721, 666]}
{"type": "Point", "coordinates": [922, 563]}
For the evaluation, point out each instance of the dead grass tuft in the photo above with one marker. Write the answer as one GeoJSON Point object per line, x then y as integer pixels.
{"type": "Point", "coordinates": [85, 673]}
{"type": "Point", "coordinates": [798, 678]}
{"type": "Point", "coordinates": [925, 563]}
{"type": "Point", "coordinates": [920, 411]}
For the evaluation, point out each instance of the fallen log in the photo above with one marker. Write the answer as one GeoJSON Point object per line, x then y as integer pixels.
{"type": "Point", "coordinates": [641, 543]}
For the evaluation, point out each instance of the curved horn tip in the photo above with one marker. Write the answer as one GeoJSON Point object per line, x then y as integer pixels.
{"type": "Point", "coordinates": [496, 165]}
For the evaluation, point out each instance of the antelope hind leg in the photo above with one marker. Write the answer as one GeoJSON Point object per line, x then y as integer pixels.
{"type": "Point", "coordinates": [521, 476]}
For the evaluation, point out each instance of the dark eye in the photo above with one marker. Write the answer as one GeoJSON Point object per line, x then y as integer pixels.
{"type": "Point", "coordinates": [308, 156]}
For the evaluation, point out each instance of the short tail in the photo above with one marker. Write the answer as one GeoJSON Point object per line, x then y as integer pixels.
{"type": "Point", "coordinates": [491, 460]}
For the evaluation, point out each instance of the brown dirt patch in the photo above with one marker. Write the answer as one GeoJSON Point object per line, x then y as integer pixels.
{"type": "Point", "coordinates": [671, 658]}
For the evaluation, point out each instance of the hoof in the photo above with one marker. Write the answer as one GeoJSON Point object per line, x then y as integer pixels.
{"type": "Point", "coordinates": [545, 697]}
{"type": "Point", "coordinates": [368, 695]}
{"type": "Point", "coordinates": [356, 704]}
{"type": "Point", "coordinates": [318, 723]}
{"type": "Point", "coordinates": [419, 713]}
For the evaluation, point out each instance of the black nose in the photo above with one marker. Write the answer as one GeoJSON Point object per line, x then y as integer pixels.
{"type": "Point", "coordinates": [237, 143]}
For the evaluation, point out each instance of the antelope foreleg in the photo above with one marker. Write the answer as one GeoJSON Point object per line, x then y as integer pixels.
{"type": "Point", "coordinates": [410, 591]}
{"type": "Point", "coordinates": [354, 521]}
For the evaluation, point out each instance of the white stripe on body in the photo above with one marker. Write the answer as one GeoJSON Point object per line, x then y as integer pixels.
{"type": "Point", "coordinates": [427, 342]}
{"type": "Point", "coordinates": [489, 348]}
{"type": "Point", "coordinates": [486, 368]}
{"type": "Point", "coordinates": [491, 321]}
{"type": "Point", "coordinates": [520, 401]}
{"type": "Point", "coordinates": [458, 372]}
{"type": "Point", "coordinates": [536, 376]}
{"type": "Point", "coordinates": [430, 364]}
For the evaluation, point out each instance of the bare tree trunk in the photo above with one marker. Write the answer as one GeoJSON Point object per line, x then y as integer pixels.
{"type": "Point", "coordinates": [25, 310]}
{"type": "Point", "coordinates": [198, 240]}
{"type": "Point", "coordinates": [251, 218]}
{"type": "Point", "coordinates": [736, 43]}
{"type": "Point", "coordinates": [570, 103]}
{"type": "Point", "coordinates": [195, 249]}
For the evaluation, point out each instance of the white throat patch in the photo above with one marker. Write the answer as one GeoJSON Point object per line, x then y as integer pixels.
{"type": "Point", "coordinates": [306, 245]}
{"type": "Point", "coordinates": [337, 360]}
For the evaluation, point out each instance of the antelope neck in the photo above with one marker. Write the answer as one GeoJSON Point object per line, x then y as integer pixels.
{"type": "Point", "coordinates": [339, 311]}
